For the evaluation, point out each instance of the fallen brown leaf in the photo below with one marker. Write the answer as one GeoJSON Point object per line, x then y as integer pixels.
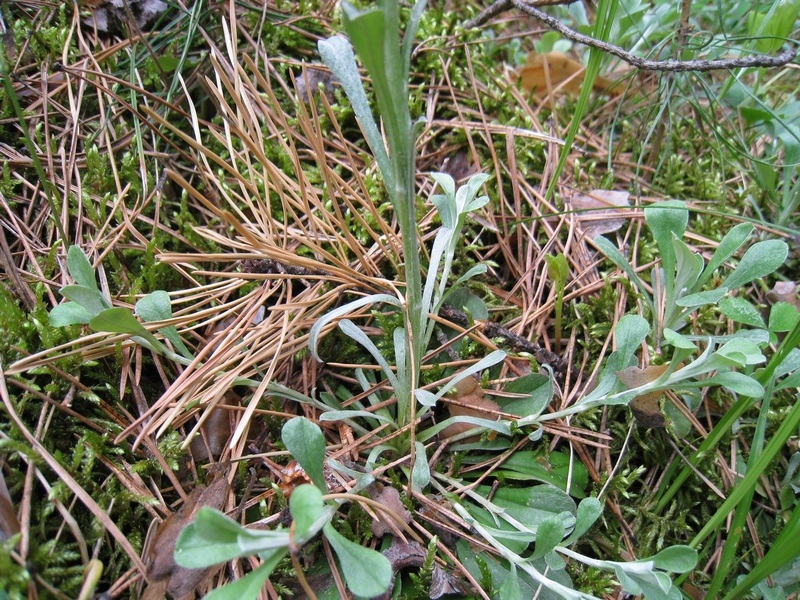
{"type": "Point", "coordinates": [646, 407]}
{"type": "Point", "coordinates": [162, 571]}
{"type": "Point", "coordinates": [390, 498]}
{"type": "Point", "coordinates": [403, 555]}
{"type": "Point", "coordinates": [469, 402]}
{"type": "Point", "coordinates": [598, 212]}
{"type": "Point", "coordinates": [784, 291]}
{"type": "Point", "coordinates": [555, 71]}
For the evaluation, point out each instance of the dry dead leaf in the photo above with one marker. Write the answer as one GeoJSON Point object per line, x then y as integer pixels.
{"type": "Point", "coordinates": [544, 73]}
{"type": "Point", "coordinates": [403, 555]}
{"type": "Point", "coordinates": [469, 402]}
{"type": "Point", "coordinates": [390, 498]}
{"type": "Point", "coordinates": [645, 408]}
{"type": "Point", "coordinates": [600, 211]}
{"type": "Point", "coordinates": [292, 476]}
{"type": "Point", "coordinates": [444, 583]}
{"type": "Point", "coordinates": [215, 432]}
{"type": "Point", "coordinates": [784, 291]}
{"type": "Point", "coordinates": [110, 16]}
{"type": "Point", "coordinates": [162, 571]}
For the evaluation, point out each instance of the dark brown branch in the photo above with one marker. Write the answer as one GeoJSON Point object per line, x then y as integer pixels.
{"type": "Point", "coordinates": [640, 63]}
{"type": "Point", "coordinates": [503, 5]}
{"type": "Point", "coordinates": [516, 342]}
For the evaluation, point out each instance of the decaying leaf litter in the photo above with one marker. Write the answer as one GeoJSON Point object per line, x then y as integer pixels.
{"type": "Point", "coordinates": [333, 239]}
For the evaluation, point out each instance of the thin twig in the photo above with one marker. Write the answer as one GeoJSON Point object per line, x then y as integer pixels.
{"type": "Point", "coordinates": [503, 5]}
{"type": "Point", "coordinates": [518, 343]}
{"type": "Point", "coordinates": [640, 63]}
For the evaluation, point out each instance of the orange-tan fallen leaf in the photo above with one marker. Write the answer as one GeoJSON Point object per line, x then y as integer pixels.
{"type": "Point", "coordinates": [468, 401]}
{"type": "Point", "coordinates": [646, 407]}
{"type": "Point", "coordinates": [555, 71]}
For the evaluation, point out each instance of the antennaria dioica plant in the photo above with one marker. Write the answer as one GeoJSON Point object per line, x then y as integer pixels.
{"type": "Point", "coordinates": [531, 544]}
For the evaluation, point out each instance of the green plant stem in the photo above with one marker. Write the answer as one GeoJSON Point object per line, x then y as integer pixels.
{"type": "Point", "coordinates": [784, 549]}
{"type": "Point", "coordinates": [736, 529]}
{"type": "Point", "coordinates": [606, 10]}
{"type": "Point", "coordinates": [790, 342]}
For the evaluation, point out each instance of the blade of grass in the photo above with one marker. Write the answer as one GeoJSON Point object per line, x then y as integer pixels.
{"type": "Point", "coordinates": [606, 10]}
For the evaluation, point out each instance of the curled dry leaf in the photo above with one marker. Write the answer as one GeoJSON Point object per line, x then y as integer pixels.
{"type": "Point", "coordinates": [390, 498]}
{"type": "Point", "coordinates": [292, 476]}
{"type": "Point", "coordinates": [162, 571]}
{"type": "Point", "coordinates": [544, 73]}
{"type": "Point", "coordinates": [468, 401]}
{"type": "Point", "coordinates": [784, 291]}
{"type": "Point", "coordinates": [215, 432]}
{"type": "Point", "coordinates": [403, 555]}
{"type": "Point", "coordinates": [598, 212]}
{"type": "Point", "coordinates": [312, 79]}
{"type": "Point", "coordinates": [645, 408]}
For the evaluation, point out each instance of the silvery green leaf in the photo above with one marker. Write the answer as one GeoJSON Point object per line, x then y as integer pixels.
{"type": "Point", "coordinates": [702, 298]}
{"type": "Point", "coordinates": [741, 311]}
{"type": "Point", "coordinates": [486, 362]}
{"type": "Point", "coordinates": [440, 244]}
{"type": "Point", "coordinates": [615, 256]}
{"type": "Point", "coordinates": [367, 572]}
{"type": "Point", "coordinates": [306, 506]}
{"type": "Point", "coordinates": [80, 268]}
{"type": "Point", "coordinates": [70, 313]}
{"type": "Point", "coordinates": [539, 390]}
{"type": "Point", "coordinates": [667, 219]}
{"type": "Point", "coordinates": [337, 53]}
{"type": "Point", "coordinates": [400, 355]}
{"type": "Point", "coordinates": [689, 267]}
{"type": "Point", "coordinates": [91, 299]}
{"type": "Point", "coordinates": [305, 442]}
{"type": "Point", "coordinates": [316, 329]}
{"type": "Point", "coordinates": [341, 415]}
{"type": "Point", "coordinates": [446, 182]}
{"type": "Point", "coordinates": [421, 473]}
{"type": "Point", "coordinates": [549, 534]}
{"type": "Point", "coordinates": [629, 333]}
{"type": "Point", "coordinates": [589, 510]}
{"type": "Point", "coordinates": [726, 248]}
{"type": "Point", "coordinates": [426, 398]}
{"type": "Point", "coordinates": [120, 320]}
{"type": "Point", "coordinates": [499, 426]}
{"type": "Point", "coordinates": [154, 307]}
{"type": "Point", "coordinates": [676, 559]}
{"type": "Point", "coordinates": [743, 351]}
{"type": "Point", "coordinates": [353, 332]}
{"type": "Point", "coordinates": [158, 307]}
{"type": "Point", "coordinates": [510, 588]}
{"type": "Point", "coordinates": [783, 317]}
{"type": "Point", "coordinates": [249, 586]}
{"type": "Point", "coordinates": [477, 203]}
{"type": "Point", "coordinates": [738, 383]}
{"type": "Point", "coordinates": [760, 259]}
{"type": "Point", "coordinates": [679, 341]}
{"type": "Point", "coordinates": [411, 32]}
